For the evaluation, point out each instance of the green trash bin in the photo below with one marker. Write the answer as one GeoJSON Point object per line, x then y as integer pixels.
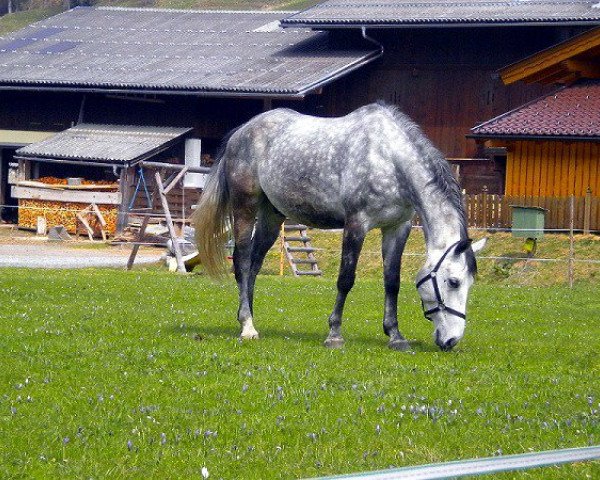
{"type": "Point", "coordinates": [528, 222]}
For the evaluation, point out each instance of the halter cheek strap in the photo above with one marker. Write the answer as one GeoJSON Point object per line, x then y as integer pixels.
{"type": "Point", "coordinates": [441, 306]}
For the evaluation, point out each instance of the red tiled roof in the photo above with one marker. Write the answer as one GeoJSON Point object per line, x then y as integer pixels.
{"type": "Point", "coordinates": [572, 112]}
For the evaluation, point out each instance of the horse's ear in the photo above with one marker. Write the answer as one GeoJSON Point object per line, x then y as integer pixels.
{"type": "Point", "coordinates": [462, 246]}
{"type": "Point", "coordinates": [478, 245]}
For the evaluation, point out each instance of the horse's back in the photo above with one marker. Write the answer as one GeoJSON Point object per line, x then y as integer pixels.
{"type": "Point", "coordinates": [321, 170]}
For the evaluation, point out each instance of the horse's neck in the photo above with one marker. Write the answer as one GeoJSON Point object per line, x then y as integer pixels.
{"type": "Point", "coordinates": [442, 225]}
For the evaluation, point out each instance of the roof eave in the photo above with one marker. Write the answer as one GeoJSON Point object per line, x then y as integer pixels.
{"type": "Point", "coordinates": [430, 24]}
{"type": "Point", "coordinates": [292, 95]}
{"type": "Point", "coordinates": [533, 137]}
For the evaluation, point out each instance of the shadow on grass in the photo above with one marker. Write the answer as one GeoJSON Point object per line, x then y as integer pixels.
{"type": "Point", "coordinates": [315, 338]}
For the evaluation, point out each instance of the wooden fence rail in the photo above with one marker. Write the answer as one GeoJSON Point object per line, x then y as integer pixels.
{"type": "Point", "coordinates": [494, 211]}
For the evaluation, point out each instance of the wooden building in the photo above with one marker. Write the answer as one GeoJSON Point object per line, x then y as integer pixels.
{"type": "Point", "coordinates": [48, 184]}
{"type": "Point", "coordinates": [197, 71]}
{"type": "Point", "coordinates": [440, 61]}
{"type": "Point", "coordinates": [552, 144]}
{"type": "Point", "coordinates": [211, 71]}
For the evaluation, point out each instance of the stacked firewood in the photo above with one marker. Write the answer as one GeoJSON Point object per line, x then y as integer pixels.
{"type": "Point", "coordinates": [63, 181]}
{"type": "Point", "coordinates": [63, 213]}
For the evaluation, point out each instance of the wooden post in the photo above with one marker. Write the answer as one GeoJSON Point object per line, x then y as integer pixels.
{"type": "Point", "coordinates": [169, 220]}
{"type": "Point", "coordinates": [281, 249]}
{"type": "Point", "coordinates": [587, 211]}
{"type": "Point", "coordinates": [484, 222]}
{"type": "Point", "coordinates": [126, 181]}
{"type": "Point", "coordinates": [141, 233]}
{"type": "Point", "coordinates": [571, 239]}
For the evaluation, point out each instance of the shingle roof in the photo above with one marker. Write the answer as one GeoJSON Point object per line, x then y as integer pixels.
{"type": "Point", "coordinates": [572, 112]}
{"type": "Point", "coordinates": [104, 143]}
{"type": "Point", "coordinates": [340, 13]}
{"type": "Point", "coordinates": [173, 50]}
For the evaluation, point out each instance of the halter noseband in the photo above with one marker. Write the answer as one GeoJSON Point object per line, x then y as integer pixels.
{"type": "Point", "coordinates": [441, 306]}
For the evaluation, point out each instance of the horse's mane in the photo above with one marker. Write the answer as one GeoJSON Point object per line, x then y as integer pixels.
{"type": "Point", "coordinates": [441, 174]}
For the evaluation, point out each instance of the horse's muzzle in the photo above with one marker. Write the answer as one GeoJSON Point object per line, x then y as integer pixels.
{"type": "Point", "coordinates": [447, 345]}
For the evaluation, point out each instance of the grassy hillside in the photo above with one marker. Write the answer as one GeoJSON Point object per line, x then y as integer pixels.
{"type": "Point", "coordinates": [40, 9]}
{"type": "Point", "coordinates": [18, 20]}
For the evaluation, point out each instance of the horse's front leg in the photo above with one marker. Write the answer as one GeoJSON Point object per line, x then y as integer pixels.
{"type": "Point", "coordinates": [392, 246]}
{"type": "Point", "coordinates": [354, 236]}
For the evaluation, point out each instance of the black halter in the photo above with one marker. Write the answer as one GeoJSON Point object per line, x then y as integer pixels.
{"type": "Point", "coordinates": [441, 306]}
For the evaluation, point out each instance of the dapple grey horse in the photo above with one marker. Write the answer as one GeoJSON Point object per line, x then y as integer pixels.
{"type": "Point", "coordinates": [373, 168]}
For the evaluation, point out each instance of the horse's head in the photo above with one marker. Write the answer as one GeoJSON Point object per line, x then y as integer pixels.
{"type": "Point", "coordinates": [443, 284]}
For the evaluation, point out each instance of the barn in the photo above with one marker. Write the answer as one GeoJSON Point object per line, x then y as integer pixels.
{"type": "Point", "coordinates": [440, 63]}
{"type": "Point", "coordinates": [141, 72]}
{"type": "Point", "coordinates": [204, 73]}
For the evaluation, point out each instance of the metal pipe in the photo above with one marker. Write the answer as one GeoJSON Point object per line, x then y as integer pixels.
{"type": "Point", "coordinates": [175, 166]}
{"type": "Point", "coordinates": [363, 31]}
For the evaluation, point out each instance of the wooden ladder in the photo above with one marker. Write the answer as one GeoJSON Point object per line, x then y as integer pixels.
{"type": "Point", "coordinates": [301, 252]}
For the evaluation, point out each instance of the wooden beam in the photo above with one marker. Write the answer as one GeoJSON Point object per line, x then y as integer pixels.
{"type": "Point", "coordinates": [585, 68]}
{"type": "Point", "coordinates": [174, 182]}
{"type": "Point", "coordinates": [54, 195]}
{"type": "Point", "coordinates": [548, 75]}
{"type": "Point", "coordinates": [577, 46]}
{"type": "Point", "coordinates": [169, 221]}
{"type": "Point", "coordinates": [126, 187]}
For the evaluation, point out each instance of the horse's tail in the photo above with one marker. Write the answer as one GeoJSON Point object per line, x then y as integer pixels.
{"type": "Point", "coordinates": [211, 219]}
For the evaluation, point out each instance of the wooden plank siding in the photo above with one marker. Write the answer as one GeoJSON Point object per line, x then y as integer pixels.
{"type": "Point", "coordinates": [546, 169]}
{"type": "Point", "coordinates": [491, 211]}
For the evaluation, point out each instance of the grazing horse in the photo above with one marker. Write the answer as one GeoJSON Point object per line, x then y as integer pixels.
{"type": "Point", "coordinates": [373, 168]}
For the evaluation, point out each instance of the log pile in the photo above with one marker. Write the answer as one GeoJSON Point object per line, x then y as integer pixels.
{"type": "Point", "coordinates": [63, 213]}
{"type": "Point", "coordinates": [63, 181]}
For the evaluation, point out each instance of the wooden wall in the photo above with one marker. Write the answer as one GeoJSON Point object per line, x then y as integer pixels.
{"type": "Point", "coordinates": [445, 79]}
{"type": "Point", "coordinates": [553, 169]}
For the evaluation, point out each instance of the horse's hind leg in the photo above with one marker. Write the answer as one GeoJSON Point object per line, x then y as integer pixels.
{"type": "Point", "coordinates": [252, 242]}
{"type": "Point", "coordinates": [243, 226]}
{"type": "Point", "coordinates": [354, 236]}
{"type": "Point", "coordinates": [392, 246]}
{"type": "Point", "coordinates": [267, 230]}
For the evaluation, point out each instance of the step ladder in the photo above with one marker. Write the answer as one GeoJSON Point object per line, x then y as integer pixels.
{"type": "Point", "coordinates": [299, 250]}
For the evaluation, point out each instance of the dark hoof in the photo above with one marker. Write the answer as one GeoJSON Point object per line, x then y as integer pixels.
{"type": "Point", "coordinates": [335, 342]}
{"type": "Point", "coordinates": [399, 345]}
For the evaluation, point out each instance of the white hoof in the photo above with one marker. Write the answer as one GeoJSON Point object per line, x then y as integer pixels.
{"type": "Point", "coordinates": [249, 335]}
{"type": "Point", "coordinates": [334, 342]}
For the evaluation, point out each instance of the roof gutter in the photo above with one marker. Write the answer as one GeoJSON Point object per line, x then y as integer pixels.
{"type": "Point", "coordinates": [342, 72]}
{"type": "Point", "coordinates": [143, 91]}
{"type": "Point", "coordinates": [363, 31]}
{"type": "Point", "coordinates": [386, 25]}
{"type": "Point", "coordinates": [564, 138]}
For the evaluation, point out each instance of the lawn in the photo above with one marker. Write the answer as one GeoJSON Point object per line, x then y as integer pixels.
{"type": "Point", "coordinates": [110, 374]}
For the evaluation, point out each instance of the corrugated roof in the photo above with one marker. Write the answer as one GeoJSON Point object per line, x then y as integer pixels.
{"type": "Point", "coordinates": [572, 112]}
{"type": "Point", "coordinates": [104, 143]}
{"type": "Point", "coordinates": [173, 50]}
{"type": "Point", "coordinates": [345, 13]}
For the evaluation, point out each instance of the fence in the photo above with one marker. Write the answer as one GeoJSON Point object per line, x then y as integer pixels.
{"type": "Point", "coordinates": [486, 210]}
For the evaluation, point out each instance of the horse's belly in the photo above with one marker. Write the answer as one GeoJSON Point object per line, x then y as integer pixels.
{"type": "Point", "coordinates": [309, 207]}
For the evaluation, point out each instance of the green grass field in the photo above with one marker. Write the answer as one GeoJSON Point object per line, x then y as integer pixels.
{"type": "Point", "coordinates": [111, 374]}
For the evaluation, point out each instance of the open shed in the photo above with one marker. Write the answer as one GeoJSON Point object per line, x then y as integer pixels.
{"type": "Point", "coordinates": [90, 165]}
